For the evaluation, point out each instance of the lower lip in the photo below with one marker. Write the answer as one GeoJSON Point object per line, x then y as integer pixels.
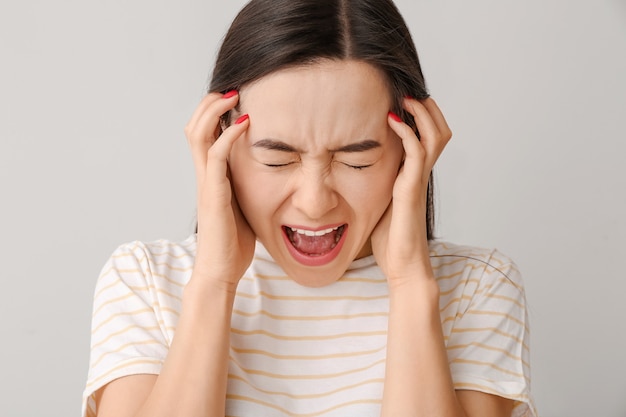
{"type": "Point", "coordinates": [318, 260]}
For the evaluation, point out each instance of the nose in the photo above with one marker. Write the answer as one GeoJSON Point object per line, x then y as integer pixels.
{"type": "Point", "coordinates": [314, 195]}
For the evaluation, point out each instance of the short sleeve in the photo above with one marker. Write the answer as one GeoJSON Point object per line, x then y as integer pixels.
{"type": "Point", "coordinates": [488, 346]}
{"type": "Point", "coordinates": [127, 337]}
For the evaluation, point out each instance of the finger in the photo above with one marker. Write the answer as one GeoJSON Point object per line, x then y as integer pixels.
{"type": "Point", "coordinates": [205, 104]}
{"type": "Point", "coordinates": [217, 155]}
{"type": "Point", "coordinates": [214, 189]}
{"type": "Point", "coordinates": [201, 130]}
{"type": "Point", "coordinates": [437, 116]}
{"type": "Point", "coordinates": [434, 136]}
{"type": "Point", "coordinates": [201, 108]}
{"type": "Point", "coordinates": [413, 149]}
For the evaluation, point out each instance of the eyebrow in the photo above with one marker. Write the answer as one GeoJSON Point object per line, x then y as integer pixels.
{"type": "Point", "coordinates": [277, 145]}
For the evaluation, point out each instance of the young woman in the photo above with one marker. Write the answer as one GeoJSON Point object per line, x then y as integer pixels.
{"type": "Point", "coordinates": [313, 285]}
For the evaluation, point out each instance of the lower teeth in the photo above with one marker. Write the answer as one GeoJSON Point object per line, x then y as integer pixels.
{"type": "Point", "coordinates": [340, 230]}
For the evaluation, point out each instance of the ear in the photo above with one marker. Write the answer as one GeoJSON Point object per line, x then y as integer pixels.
{"type": "Point", "coordinates": [224, 121]}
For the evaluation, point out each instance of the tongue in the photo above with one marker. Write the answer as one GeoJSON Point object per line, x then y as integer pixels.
{"type": "Point", "coordinates": [314, 245]}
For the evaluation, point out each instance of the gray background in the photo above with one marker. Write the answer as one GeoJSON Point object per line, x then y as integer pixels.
{"type": "Point", "coordinates": [94, 96]}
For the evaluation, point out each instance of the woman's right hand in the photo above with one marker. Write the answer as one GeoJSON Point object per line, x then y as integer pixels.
{"type": "Point", "coordinates": [225, 240]}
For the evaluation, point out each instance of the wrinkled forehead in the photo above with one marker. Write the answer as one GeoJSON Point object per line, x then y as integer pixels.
{"type": "Point", "coordinates": [330, 99]}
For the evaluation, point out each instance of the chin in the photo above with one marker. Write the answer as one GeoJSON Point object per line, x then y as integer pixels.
{"type": "Point", "coordinates": [314, 277]}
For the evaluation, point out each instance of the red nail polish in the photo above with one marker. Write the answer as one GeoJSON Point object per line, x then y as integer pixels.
{"type": "Point", "coordinates": [230, 94]}
{"type": "Point", "coordinates": [395, 117]}
{"type": "Point", "coordinates": [242, 119]}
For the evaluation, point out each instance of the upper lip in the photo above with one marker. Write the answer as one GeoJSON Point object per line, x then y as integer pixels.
{"type": "Point", "coordinates": [314, 229]}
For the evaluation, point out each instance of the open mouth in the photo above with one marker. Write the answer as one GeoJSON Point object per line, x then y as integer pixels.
{"type": "Point", "coordinates": [314, 243]}
{"type": "Point", "coordinates": [315, 247]}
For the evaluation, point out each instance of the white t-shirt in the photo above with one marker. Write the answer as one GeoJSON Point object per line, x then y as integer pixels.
{"type": "Point", "coordinates": [301, 351]}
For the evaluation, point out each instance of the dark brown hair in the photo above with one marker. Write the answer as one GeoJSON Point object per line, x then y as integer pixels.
{"type": "Point", "coordinates": [270, 35]}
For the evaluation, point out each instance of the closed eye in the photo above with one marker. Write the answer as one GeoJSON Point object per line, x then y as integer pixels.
{"type": "Point", "coordinates": [278, 165]}
{"type": "Point", "coordinates": [357, 167]}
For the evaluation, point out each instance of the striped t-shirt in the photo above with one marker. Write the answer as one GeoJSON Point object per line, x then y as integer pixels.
{"type": "Point", "coordinates": [300, 351]}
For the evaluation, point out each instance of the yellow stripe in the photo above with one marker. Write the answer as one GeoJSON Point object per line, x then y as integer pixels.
{"type": "Point", "coordinates": [168, 279]}
{"type": "Point", "coordinates": [124, 330]}
{"type": "Point", "coordinates": [445, 264]}
{"type": "Point", "coordinates": [366, 280]}
{"type": "Point", "coordinates": [488, 347]}
{"type": "Point", "coordinates": [498, 314]}
{"type": "Point", "coordinates": [121, 348]}
{"type": "Point", "coordinates": [505, 298]}
{"type": "Point", "coordinates": [306, 357]}
{"type": "Point", "coordinates": [143, 257]}
{"type": "Point", "coordinates": [120, 271]}
{"type": "Point", "coordinates": [168, 310]}
{"type": "Point", "coordinates": [126, 270]}
{"type": "Point", "coordinates": [490, 329]}
{"type": "Point", "coordinates": [486, 313]}
{"type": "Point", "coordinates": [154, 288]}
{"type": "Point", "coordinates": [488, 364]}
{"type": "Point", "coordinates": [111, 301]}
{"type": "Point", "coordinates": [305, 298]}
{"type": "Point", "coordinates": [103, 289]}
{"type": "Point", "coordinates": [308, 318]}
{"type": "Point", "coordinates": [451, 318]}
{"type": "Point", "coordinates": [493, 262]}
{"type": "Point", "coordinates": [127, 255]}
{"type": "Point", "coordinates": [132, 313]}
{"type": "Point", "coordinates": [307, 396]}
{"type": "Point", "coordinates": [172, 267]}
{"type": "Point", "coordinates": [306, 377]}
{"type": "Point", "coordinates": [298, 338]}
{"type": "Point", "coordinates": [455, 300]}
{"type": "Point", "coordinates": [291, 413]}
{"type": "Point", "coordinates": [510, 282]}
{"type": "Point", "coordinates": [460, 283]}
{"type": "Point", "coordinates": [478, 256]}
{"type": "Point", "coordinates": [466, 269]}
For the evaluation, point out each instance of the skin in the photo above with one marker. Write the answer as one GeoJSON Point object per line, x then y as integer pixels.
{"type": "Point", "coordinates": [315, 110]}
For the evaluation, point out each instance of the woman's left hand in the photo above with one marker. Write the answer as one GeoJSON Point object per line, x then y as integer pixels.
{"type": "Point", "coordinates": [399, 241]}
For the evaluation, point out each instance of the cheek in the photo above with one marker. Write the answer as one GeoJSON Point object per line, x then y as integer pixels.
{"type": "Point", "coordinates": [369, 193]}
{"type": "Point", "coordinates": [258, 195]}
{"type": "Point", "coordinates": [248, 190]}
{"type": "Point", "coordinates": [246, 187]}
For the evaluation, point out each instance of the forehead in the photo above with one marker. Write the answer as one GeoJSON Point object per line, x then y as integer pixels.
{"type": "Point", "coordinates": [330, 99]}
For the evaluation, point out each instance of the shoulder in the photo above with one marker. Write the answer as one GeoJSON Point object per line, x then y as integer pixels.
{"type": "Point", "coordinates": [161, 250]}
{"type": "Point", "coordinates": [157, 264]}
{"type": "Point", "coordinates": [470, 276]}
{"type": "Point", "coordinates": [450, 260]}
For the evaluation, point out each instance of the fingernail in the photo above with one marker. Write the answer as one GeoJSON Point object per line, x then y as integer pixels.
{"type": "Point", "coordinates": [409, 97]}
{"type": "Point", "coordinates": [230, 94]}
{"type": "Point", "coordinates": [395, 117]}
{"type": "Point", "coordinates": [242, 119]}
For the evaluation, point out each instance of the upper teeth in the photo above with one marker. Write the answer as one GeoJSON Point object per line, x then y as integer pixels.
{"type": "Point", "coordinates": [313, 232]}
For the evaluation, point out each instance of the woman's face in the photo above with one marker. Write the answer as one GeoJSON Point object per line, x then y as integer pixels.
{"type": "Point", "coordinates": [314, 172]}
